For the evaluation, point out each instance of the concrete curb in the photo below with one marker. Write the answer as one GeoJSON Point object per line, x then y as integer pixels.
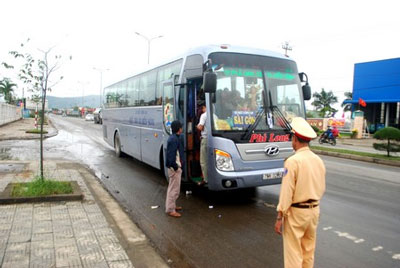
{"type": "Point", "coordinates": [359, 158]}
{"type": "Point", "coordinates": [54, 133]}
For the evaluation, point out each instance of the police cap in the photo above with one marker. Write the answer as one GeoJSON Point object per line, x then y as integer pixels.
{"type": "Point", "coordinates": [302, 129]}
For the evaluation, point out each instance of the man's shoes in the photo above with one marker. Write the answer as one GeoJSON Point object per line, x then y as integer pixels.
{"type": "Point", "coordinates": [174, 214]}
{"type": "Point", "coordinates": [178, 208]}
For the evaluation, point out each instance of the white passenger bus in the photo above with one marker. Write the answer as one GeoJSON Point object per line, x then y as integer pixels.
{"type": "Point", "coordinates": [252, 95]}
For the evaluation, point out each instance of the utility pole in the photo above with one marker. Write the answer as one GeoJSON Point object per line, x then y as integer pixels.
{"type": "Point", "coordinates": [287, 48]}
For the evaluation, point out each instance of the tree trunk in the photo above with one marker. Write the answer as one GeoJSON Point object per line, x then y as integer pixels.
{"type": "Point", "coordinates": [41, 135]}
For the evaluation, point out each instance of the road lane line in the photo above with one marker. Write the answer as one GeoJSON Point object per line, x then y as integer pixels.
{"type": "Point", "coordinates": [378, 248]}
{"type": "Point", "coordinates": [396, 257]}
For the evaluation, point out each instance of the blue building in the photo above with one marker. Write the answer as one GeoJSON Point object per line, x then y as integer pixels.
{"type": "Point", "coordinates": [378, 84]}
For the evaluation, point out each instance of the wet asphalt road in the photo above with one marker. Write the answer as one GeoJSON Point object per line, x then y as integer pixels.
{"type": "Point", "coordinates": [360, 212]}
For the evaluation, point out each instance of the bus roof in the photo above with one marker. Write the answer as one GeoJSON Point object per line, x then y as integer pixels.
{"type": "Point", "coordinates": [207, 50]}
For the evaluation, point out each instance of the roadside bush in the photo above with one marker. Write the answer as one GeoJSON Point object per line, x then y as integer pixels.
{"type": "Point", "coordinates": [389, 134]}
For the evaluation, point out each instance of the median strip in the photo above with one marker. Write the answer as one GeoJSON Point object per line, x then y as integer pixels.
{"type": "Point", "coordinates": [360, 156]}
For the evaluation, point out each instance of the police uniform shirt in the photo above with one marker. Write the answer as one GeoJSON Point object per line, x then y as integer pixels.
{"type": "Point", "coordinates": [304, 180]}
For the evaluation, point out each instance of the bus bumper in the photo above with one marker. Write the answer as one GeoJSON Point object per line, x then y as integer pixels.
{"type": "Point", "coordinates": [222, 180]}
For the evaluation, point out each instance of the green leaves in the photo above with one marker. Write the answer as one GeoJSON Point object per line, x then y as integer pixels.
{"type": "Point", "coordinates": [7, 89]}
{"type": "Point", "coordinates": [7, 66]}
{"type": "Point", "coordinates": [347, 106]}
{"type": "Point", "coordinates": [323, 101]}
{"type": "Point", "coordinates": [387, 133]}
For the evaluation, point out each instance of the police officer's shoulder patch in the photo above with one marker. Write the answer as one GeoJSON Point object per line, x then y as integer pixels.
{"type": "Point", "coordinates": [285, 171]}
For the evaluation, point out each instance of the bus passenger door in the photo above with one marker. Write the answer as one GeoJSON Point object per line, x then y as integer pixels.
{"type": "Point", "coordinates": [168, 105]}
{"type": "Point", "coordinates": [168, 112]}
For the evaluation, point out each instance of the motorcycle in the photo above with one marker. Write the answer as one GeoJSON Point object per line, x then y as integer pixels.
{"type": "Point", "coordinates": [330, 139]}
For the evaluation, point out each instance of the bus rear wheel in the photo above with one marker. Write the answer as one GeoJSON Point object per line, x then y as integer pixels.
{"type": "Point", "coordinates": [117, 145]}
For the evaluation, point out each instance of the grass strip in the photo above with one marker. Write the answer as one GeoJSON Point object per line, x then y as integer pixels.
{"type": "Point", "coordinates": [344, 151]}
{"type": "Point", "coordinates": [35, 131]}
{"type": "Point", "coordinates": [41, 188]}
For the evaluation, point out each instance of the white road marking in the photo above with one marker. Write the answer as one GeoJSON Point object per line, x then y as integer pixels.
{"type": "Point", "coordinates": [341, 234]}
{"type": "Point", "coordinates": [361, 240]}
{"type": "Point", "coordinates": [350, 237]}
{"type": "Point", "coordinates": [269, 205]}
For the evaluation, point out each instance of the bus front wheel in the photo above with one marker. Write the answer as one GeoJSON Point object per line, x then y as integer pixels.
{"type": "Point", "coordinates": [117, 145]}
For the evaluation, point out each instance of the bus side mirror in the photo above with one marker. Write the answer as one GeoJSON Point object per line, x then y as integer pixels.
{"type": "Point", "coordinates": [306, 92]}
{"type": "Point", "coordinates": [306, 88]}
{"type": "Point", "coordinates": [303, 77]}
{"type": "Point", "coordinates": [210, 82]}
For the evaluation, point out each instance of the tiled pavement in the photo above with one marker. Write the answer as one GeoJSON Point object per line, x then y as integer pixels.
{"type": "Point", "coordinates": [57, 234]}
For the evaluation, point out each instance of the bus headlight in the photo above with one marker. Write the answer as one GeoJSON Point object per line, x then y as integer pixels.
{"type": "Point", "coordinates": [223, 160]}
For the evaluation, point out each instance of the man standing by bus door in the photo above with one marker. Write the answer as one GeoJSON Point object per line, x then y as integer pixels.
{"type": "Point", "coordinates": [302, 188]}
{"type": "Point", "coordinates": [203, 143]}
{"type": "Point", "coordinates": [174, 153]}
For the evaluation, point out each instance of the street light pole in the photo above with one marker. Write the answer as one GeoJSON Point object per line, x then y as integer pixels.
{"type": "Point", "coordinates": [148, 44]}
{"type": "Point", "coordinates": [101, 81]}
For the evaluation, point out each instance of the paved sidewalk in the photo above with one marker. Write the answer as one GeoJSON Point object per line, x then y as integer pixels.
{"type": "Point", "coordinates": [88, 233]}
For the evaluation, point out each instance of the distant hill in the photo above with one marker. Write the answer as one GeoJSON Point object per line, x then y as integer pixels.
{"type": "Point", "coordinates": [91, 101]}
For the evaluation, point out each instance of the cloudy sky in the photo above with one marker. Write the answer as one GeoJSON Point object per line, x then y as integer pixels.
{"type": "Point", "coordinates": [327, 37]}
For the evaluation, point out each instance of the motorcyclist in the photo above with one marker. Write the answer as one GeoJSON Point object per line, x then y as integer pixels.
{"type": "Point", "coordinates": [328, 133]}
{"type": "Point", "coordinates": [335, 131]}
{"type": "Point", "coordinates": [329, 136]}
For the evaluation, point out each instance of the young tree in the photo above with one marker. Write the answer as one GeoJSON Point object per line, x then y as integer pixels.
{"type": "Point", "coordinates": [323, 101]}
{"type": "Point", "coordinates": [37, 76]}
{"type": "Point", "coordinates": [387, 133]}
{"type": "Point", "coordinates": [7, 89]}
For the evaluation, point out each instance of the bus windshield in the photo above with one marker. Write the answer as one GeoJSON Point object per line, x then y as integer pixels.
{"type": "Point", "coordinates": [250, 88]}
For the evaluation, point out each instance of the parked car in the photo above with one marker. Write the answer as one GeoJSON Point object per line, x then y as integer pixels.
{"type": "Point", "coordinates": [98, 119]}
{"type": "Point", "coordinates": [89, 117]}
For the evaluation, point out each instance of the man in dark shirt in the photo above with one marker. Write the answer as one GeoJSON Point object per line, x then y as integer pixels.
{"type": "Point", "coordinates": [174, 154]}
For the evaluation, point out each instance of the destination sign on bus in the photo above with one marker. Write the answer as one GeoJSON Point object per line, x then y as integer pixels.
{"type": "Point", "coordinates": [242, 72]}
{"type": "Point", "coordinates": [243, 118]}
{"type": "Point", "coordinates": [258, 74]}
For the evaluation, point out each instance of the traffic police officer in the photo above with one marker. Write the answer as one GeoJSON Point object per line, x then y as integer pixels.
{"type": "Point", "coordinates": [302, 188]}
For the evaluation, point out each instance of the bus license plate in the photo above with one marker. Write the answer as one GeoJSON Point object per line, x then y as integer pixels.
{"type": "Point", "coordinates": [273, 175]}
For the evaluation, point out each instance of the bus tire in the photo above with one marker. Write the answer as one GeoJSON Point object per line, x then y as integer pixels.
{"type": "Point", "coordinates": [161, 159]}
{"type": "Point", "coordinates": [117, 145]}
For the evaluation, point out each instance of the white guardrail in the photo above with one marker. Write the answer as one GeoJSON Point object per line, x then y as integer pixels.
{"type": "Point", "coordinates": [9, 113]}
